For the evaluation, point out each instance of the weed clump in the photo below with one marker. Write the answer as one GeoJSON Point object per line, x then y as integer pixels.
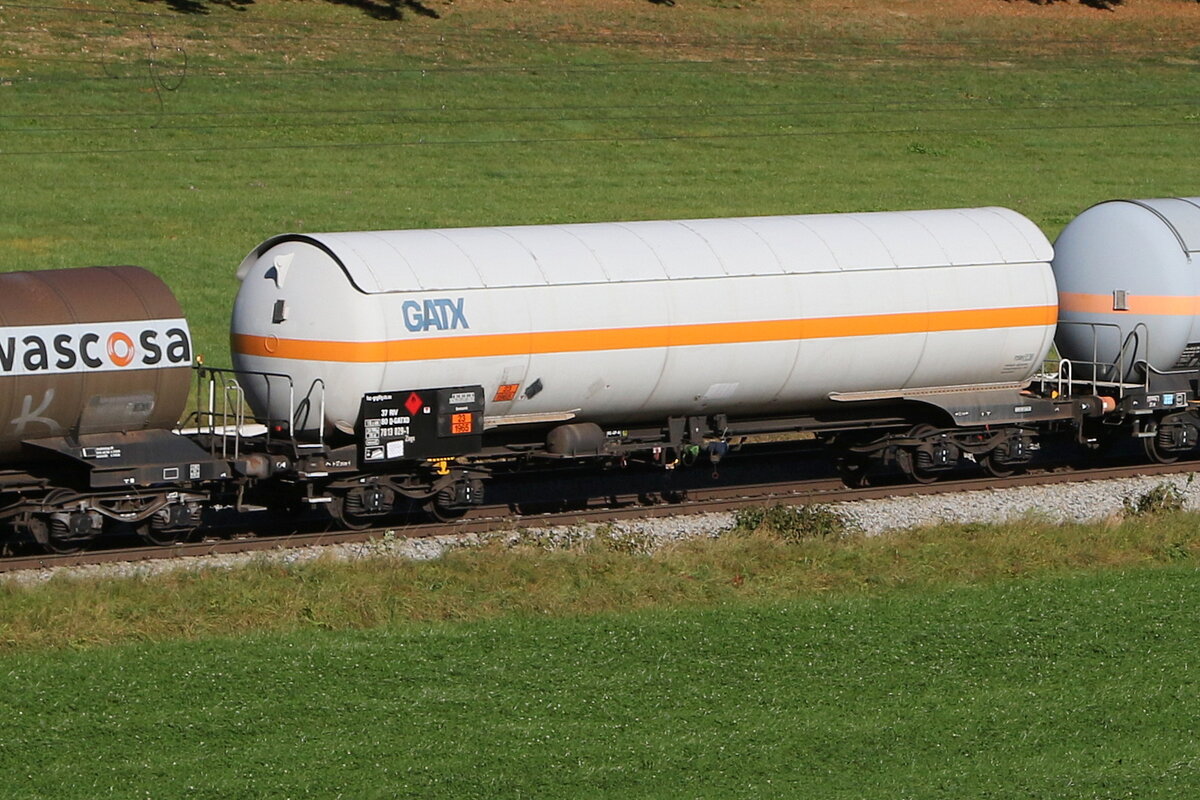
{"type": "Point", "coordinates": [1165, 498]}
{"type": "Point", "coordinates": [550, 539]}
{"type": "Point", "coordinates": [793, 523]}
{"type": "Point", "coordinates": [628, 541]}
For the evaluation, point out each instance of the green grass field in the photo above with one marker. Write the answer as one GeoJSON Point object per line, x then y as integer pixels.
{"type": "Point", "coordinates": [1025, 660]}
{"type": "Point", "coordinates": [1021, 662]}
{"type": "Point", "coordinates": [1079, 686]}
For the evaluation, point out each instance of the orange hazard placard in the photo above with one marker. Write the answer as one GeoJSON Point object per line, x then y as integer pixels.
{"type": "Point", "coordinates": [461, 423]}
{"type": "Point", "coordinates": [506, 392]}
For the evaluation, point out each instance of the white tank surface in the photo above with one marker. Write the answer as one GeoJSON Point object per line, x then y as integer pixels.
{"type": "Point", "coordinates": [623, 322]}
{"type": "Point", "coordinates": [1129, 280]}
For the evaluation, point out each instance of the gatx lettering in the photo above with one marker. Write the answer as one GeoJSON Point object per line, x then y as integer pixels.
{"type": "Point", "coordinates": [441, 314]}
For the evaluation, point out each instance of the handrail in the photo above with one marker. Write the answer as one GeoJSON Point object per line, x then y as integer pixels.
{"type": "Point", "coordinates": [1126, 361]}
{"type": "Point", "coordinates": [1066, 366]}
{"type": "Point", "coordinates": [226, 418]}
{"type": "Point", "coordinates": [233, 396]}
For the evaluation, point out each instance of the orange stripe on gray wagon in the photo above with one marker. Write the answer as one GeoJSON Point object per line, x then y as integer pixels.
{"type": "Point", "coordinates": [709, 333]}
{"type": "Point", "coordinates": [1156, 305]}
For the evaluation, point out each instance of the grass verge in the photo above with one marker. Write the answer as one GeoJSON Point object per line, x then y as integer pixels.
{"type": "Point", "coordinates": [778, 560]}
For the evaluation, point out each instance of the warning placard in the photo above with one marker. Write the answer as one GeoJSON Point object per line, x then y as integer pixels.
{"type": "Point", "coordinates": [419, 424]}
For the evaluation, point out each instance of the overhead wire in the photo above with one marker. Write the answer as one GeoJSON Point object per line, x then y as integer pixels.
{"type": "Point", "coordinates": [684, 117]}
{"type": "Point", "coordinates": [890, 105]}
{"type": "Point", "coordinates": [992, 130]}
{"type": "Point", "coordinates": [289, 71]}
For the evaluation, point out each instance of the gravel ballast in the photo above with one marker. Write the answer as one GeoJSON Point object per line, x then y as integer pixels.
{"type": "Point", "coordinates": [1070, 502]}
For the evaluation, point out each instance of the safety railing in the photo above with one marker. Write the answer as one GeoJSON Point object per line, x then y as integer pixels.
{"type": "Point", "coordinates": [222, 410]}
{"type": "Point", "coordinates": [1096, 374]}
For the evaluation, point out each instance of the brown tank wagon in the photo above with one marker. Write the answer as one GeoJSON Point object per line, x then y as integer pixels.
{"type": "Point", "coordinates": [90, 350]}
{"type": "Point", "coordinates": [95, 373]}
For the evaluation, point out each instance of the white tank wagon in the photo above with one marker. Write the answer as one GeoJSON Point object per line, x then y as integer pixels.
{"type": "Point", "coordinates": [624, 322]}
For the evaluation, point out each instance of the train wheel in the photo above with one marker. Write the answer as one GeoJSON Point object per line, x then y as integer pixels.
{"type": "Point", "coordinates": [914, 471]}
{"type": "Point", "coordinates": [675, 496]}
{"type": "Point", "coordinates": [453, 500]}
{"type": "Point", "coordinates": [1155, 452]}
{"type": "Point", "coordinates": [63, 547]}
{"type": "Point", "coordinates": [910, 463]}
{"type": "Point", "coordinates": [149, 534]}
{"type": "Point", "coordinates": [361, 507]}
{"type": "Point", "coordinates": [995, 468]}
{"type": "Point", "coordinates": [170, 525]}
{"type": "Point", "coordinates": [337, 509]}
{"type": "Point", "coordinates": [918, 475]}
{"type": "Point", "coordinates": [443, 513]}
{"type": "Point", "coordinates": [70, 533]}
{"type": "Point", "coordinates": [64, 531]}
{"type": "Point", "coordinates": [52, 537]}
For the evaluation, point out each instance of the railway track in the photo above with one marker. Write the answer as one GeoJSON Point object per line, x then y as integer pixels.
{"type": "Point", "coordinates": [610, 507]}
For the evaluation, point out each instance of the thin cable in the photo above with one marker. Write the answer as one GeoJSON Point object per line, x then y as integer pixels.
{"type": "Point", "coordinates": [595, 68]}
{"type": "Point", "coordinates": [598, 119]}
{"type": "Point", "coordinates": [822, 106]}
{"type": "Point", "coordinates": [602, 139]}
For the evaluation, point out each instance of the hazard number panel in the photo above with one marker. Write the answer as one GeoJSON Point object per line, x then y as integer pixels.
{"type": "Point", "coordinates": [420, 423]}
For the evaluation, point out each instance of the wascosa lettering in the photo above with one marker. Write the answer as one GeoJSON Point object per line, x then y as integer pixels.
{"type": "Point", "coordinates": [442, 314]}
{"type": "Point", "coordinates": [94, 347]}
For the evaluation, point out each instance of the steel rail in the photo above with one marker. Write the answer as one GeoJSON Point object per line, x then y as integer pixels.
{"type": "Point", "coordinates": [498, 518]}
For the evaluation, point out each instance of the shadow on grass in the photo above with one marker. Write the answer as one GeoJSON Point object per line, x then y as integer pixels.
{"type": "Point", "coordinates": [200, 6]}
{"type": "Point", "coordinates": [377, 9]}
{"type": "Point", "coordinates": [389, 9]}
{"type": "Point", "coordinates": [1106, 5]}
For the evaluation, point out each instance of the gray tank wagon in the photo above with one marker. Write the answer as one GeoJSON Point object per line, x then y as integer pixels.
{"type": "Point", "coordinates": [1129, 318]}
{"type": "Point", "coordinates": [1129, 288]}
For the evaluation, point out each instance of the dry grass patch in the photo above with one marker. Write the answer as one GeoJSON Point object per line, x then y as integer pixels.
{"type": "Point", "coordinates": [120, 34]}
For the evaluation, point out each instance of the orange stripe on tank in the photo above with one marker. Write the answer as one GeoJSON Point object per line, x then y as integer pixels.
{"type": "Point", "coordinates": [1149, 304]}
{"type": "Point", "coordinates": [710, 333]}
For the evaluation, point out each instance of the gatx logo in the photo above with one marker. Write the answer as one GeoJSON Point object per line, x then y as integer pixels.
{"type": "Point", "coordinates": [441, 314]}
{"type": "Point", "coordinates": [94, 347]}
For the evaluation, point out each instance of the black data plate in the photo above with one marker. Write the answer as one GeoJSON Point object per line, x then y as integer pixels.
{"type": "Point", "coordinates": [417, 424]}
